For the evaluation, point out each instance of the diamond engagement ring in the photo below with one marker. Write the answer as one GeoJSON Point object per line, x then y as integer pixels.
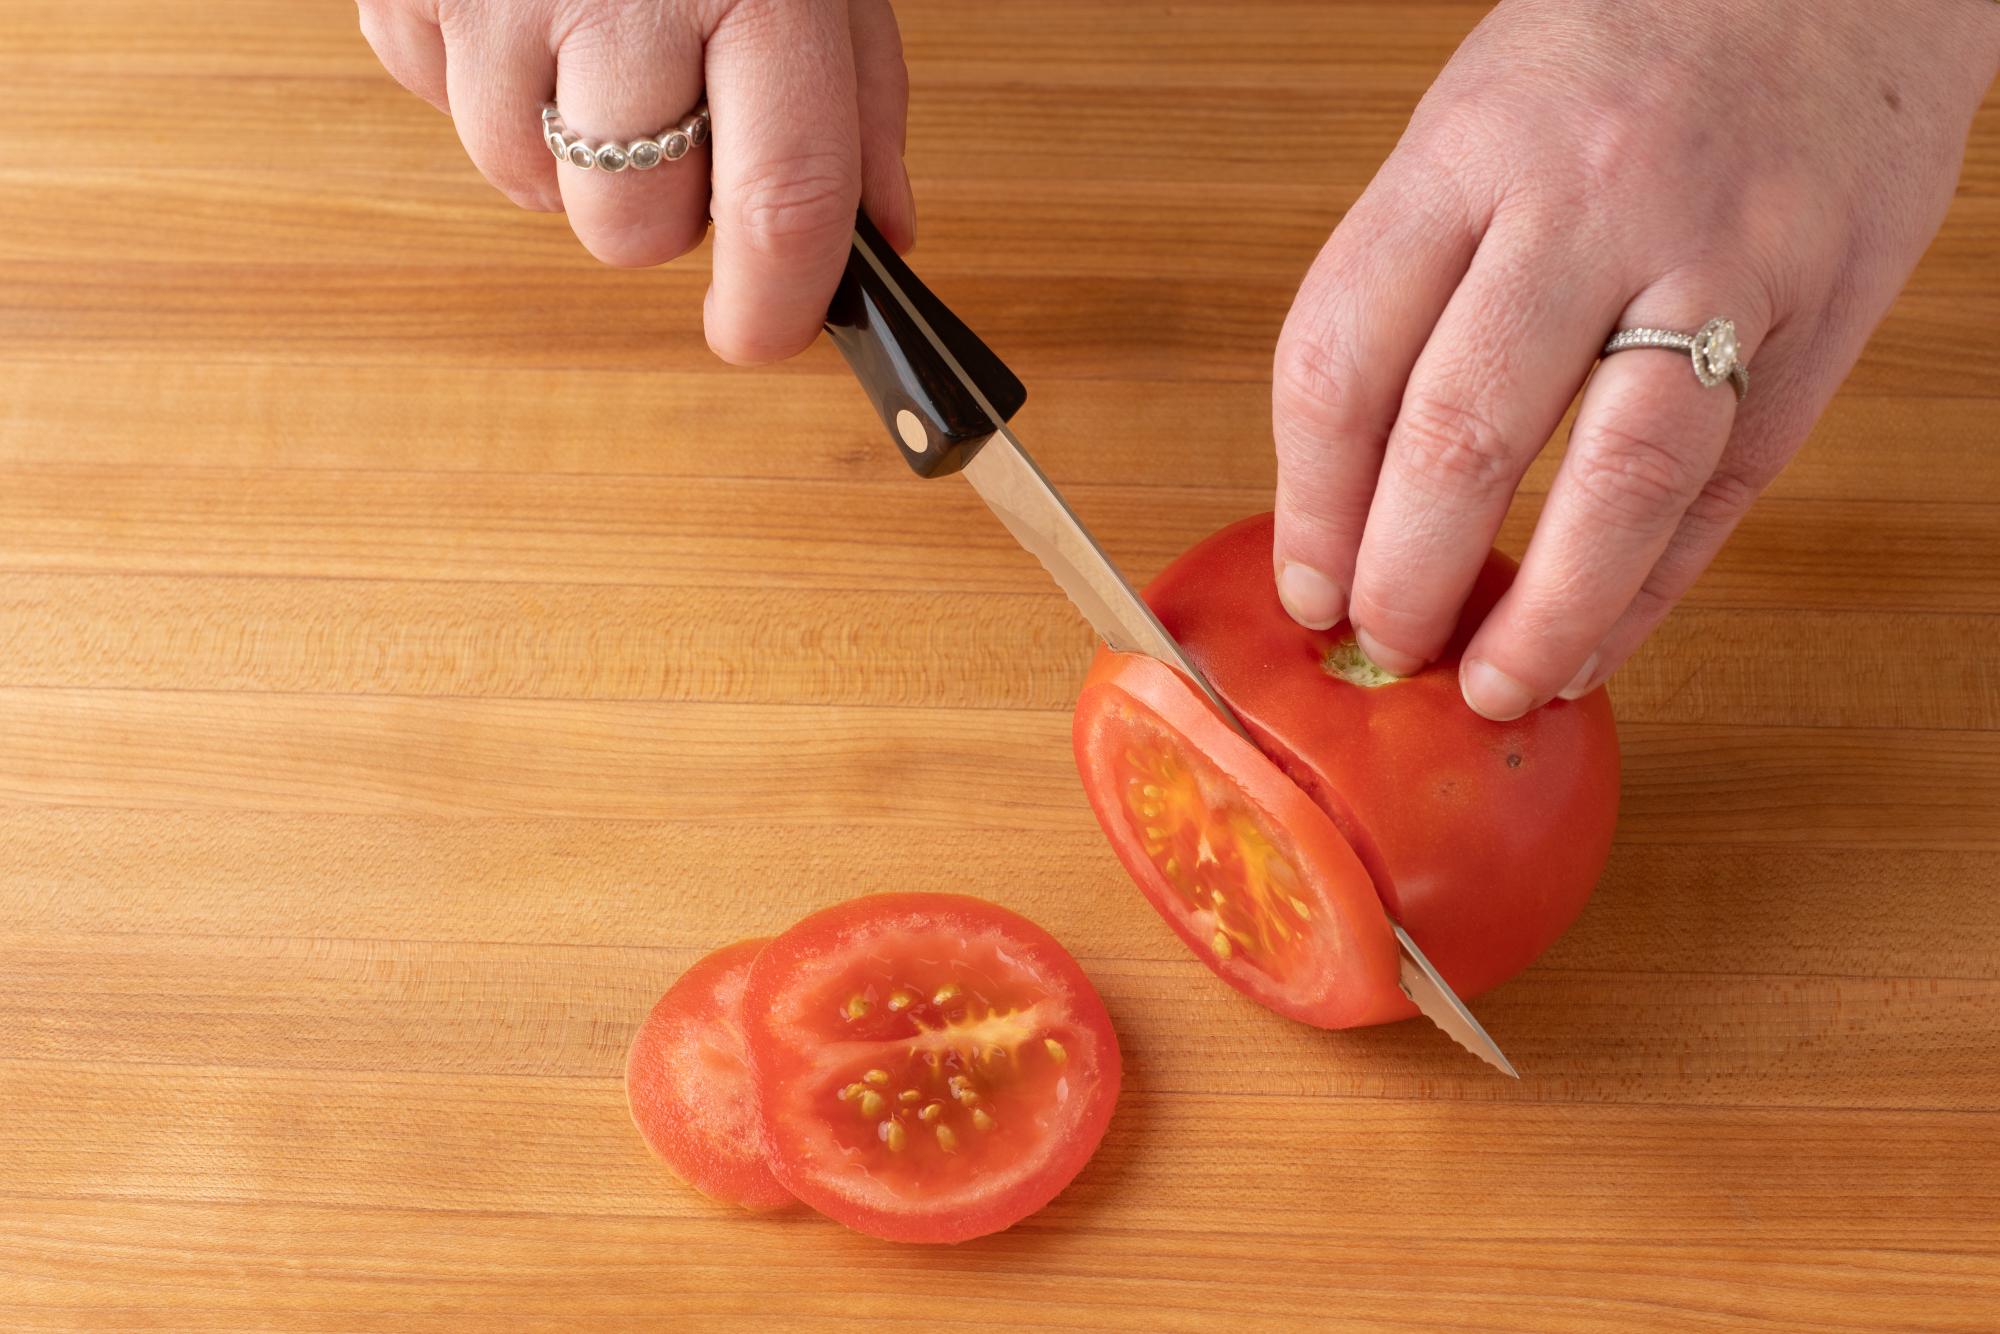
{"type": "Point", "coordinates": [669, 145]}
{"type": "Point", "coordinates": [1712, 348]}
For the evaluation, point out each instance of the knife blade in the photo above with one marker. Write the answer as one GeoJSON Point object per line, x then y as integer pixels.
{"type": "Point", "coordinates": [946, 400]}
{"type": "Point", "coordinates": [1430, 993]}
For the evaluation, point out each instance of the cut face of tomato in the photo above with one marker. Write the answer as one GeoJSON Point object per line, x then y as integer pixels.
{"type": "Point", "coordinates": [687, 1080]}
{"type": "Point", "coordinates": [1230, 852]}
{"type": "Point", "coordinates": [930, 1067]}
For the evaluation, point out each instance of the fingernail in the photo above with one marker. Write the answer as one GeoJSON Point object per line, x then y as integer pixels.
{"type": "Point", "coordinates": [1314, 601]}
{"type": "Point", "coordinates": [1492, 693]}
{"type": "Point", "coordinates": [1579, 685]}
{"type": "Point", "coordinates": [1393, 661]}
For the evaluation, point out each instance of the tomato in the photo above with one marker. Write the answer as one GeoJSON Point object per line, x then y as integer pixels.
{"type": "Point", "coordinates": [1229, 851]}
{"type": "Point", "coordinates": [930, 1067]}
{"type": "Point", "coordinates": [1483, 839]}
{"type": "Point", "coordinates": [687, 1080]}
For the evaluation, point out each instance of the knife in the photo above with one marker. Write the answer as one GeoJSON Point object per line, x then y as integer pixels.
{"type": "Point", "coordinates": [946, 400]}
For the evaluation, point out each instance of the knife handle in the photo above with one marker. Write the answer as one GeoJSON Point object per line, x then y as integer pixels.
{"type": "Point", "coordinates": [934, 419]}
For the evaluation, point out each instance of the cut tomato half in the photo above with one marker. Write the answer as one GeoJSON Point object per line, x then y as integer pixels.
{"type": "Point", "coordinates": [687, 1080]}
{"type": "Point", "coordinates": [1239, 861]}
{"type": "Point", "coordinates": [930, 1067]}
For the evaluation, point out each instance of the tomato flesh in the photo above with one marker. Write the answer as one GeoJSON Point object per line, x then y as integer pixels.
{"type": "Point", "coordinates": [687, 1082]}
{"type": "Point", "coordinates": [1237, 860]}
{"type": "Point", "coordinates": [929, 1067]}
{"type": "Point", "coordinates": [1202, 839]}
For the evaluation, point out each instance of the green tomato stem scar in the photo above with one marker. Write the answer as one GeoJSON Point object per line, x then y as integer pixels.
{"type": "Point", "coordinates": [1346, 661]}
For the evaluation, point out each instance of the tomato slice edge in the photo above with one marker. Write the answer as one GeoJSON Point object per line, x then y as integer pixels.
{"type": "Point", "coordinates": [724, 1162]}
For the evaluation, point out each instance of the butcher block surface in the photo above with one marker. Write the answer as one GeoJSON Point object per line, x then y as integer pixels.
{"type": "Point", "coordinates": [415, 649]}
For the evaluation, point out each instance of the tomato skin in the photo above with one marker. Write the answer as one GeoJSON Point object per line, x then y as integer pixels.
{"type": "Point", "coordinates": [687, 1083]}
{"type": "Point", "coordinates": [796, 1046]}
{"type": "Point", "coordinates": [1484, 839]}
{"type": "Point", "coordinates": [1349, 976]}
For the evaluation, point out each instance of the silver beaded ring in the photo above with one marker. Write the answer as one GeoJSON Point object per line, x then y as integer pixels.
{"type": "Point", "coordinates": [669, 145]}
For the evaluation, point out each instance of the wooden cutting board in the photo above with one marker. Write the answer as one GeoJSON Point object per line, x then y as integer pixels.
{"type": "Point", "coordinates": [414, 650]}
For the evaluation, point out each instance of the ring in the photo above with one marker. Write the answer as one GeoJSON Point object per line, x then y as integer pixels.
{"type": "Point", "coordinates": [669, 145]}
{"type": "Point", "coordinates": [1712, 348]}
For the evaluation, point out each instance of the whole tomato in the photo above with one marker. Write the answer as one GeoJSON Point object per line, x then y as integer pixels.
{"type": "Point", "coordinates": [1482, 839]}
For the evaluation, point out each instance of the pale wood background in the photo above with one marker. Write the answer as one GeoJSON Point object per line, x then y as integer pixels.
{"type": "Point", "coordinates": [414, 650]}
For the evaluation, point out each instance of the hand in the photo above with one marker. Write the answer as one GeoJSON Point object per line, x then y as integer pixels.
{"type": "Point", "coordinates": [1578, 169]}
{"type": "Point", "coordinates": [806, 99]}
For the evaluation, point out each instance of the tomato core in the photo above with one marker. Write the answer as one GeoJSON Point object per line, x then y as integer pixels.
{"type": "Point", "coordinates": [938, 1064]}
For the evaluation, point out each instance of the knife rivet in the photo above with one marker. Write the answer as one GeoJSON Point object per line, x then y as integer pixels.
{"type": "Point", "coordinates": [911, 428]}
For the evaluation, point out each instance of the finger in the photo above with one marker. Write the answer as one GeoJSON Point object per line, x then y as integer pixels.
{"type": "Point", "coordinates": [1770, 426]}
{"type": "Point", "coordinates": [1648, 438]}
{"type": "Point", "coordinates": [787, 173]}
{"type": "Point", "coordinates": [410, 47]}
{"type": "Point", "coordinates": [498, 73]}
{"type": "Point", "coordinates": [1707, 524]}
{"type": "Point", "coordinates": [1506, 358]}
{"type": "Point", "coordinates": [1360, 319]}
{"type": "Point", "coordinates": [626, 74]}
{"type": "Point", "coordinates": [882, 87]}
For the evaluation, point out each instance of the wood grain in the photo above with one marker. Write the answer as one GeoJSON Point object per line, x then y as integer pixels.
{"type": "Point", "coordinates": [414, 652]}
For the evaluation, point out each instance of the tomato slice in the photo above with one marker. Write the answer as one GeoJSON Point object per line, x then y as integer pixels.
{"type": "Point", "coordinates": [1239, 861]}
{"type": "Point", "coordinates": [930, 1067]}
{"type": "Point", "coordinates": [687, 1080]}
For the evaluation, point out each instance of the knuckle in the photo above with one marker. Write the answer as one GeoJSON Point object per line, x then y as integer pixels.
{"type": "Point", "coordinates": [1452, 446]}
{"type": "Point", "coordinates": [587, 23]}
{"type": "Point", "coordinates": [798, 203]}
{"type": "Point", "coordinates": [1635, 479]}
{"type": "Point", "coordinates": [1725, 498]}
{"type": "Point", "coordinates": [460, 15]}
{"type": "Point", "coordinates": [1312, 379]}
{"type": "Point", "coordinates": [1317, 511]}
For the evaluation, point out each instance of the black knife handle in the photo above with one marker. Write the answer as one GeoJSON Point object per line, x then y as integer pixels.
{"type": "Point", "coordinates": [919, 398]}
